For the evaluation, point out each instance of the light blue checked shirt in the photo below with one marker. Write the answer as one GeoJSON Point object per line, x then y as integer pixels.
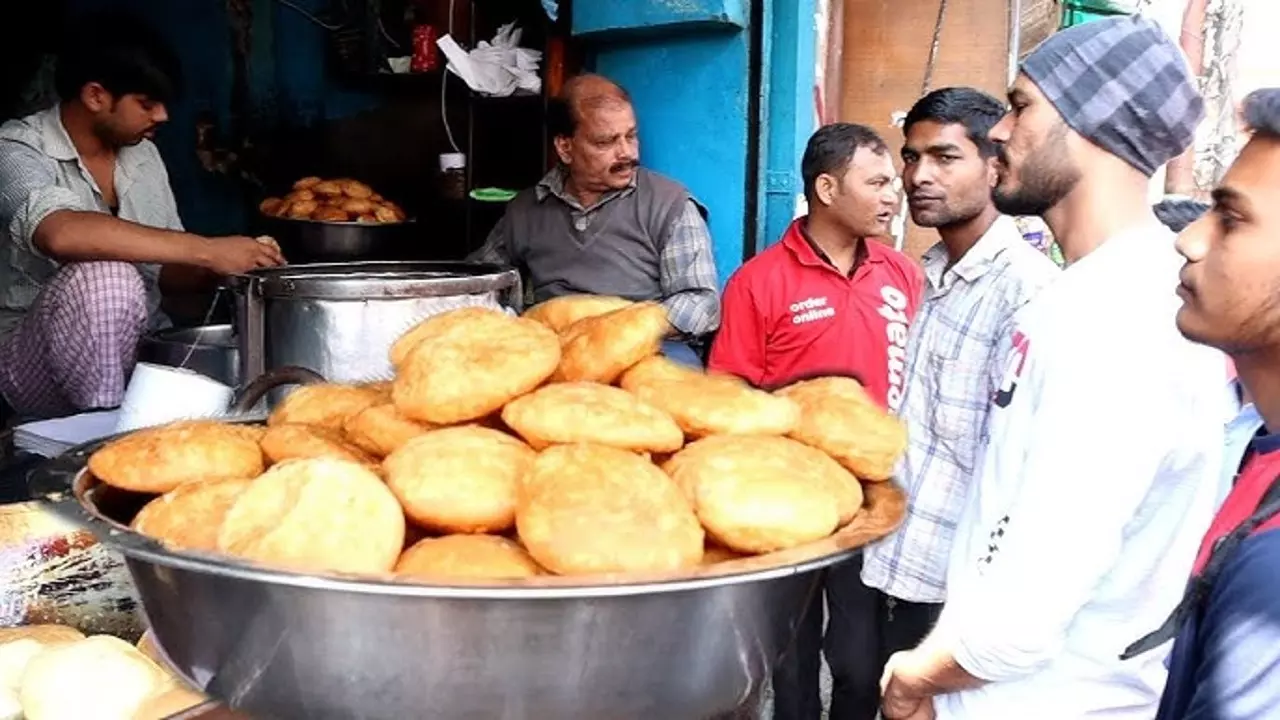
{"type": "Point", "coordinates": [954, 367]}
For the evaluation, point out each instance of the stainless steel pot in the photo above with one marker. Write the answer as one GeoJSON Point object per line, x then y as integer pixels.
{"type": "Point", "coordinates": [283, 645]}
{"type": "Point", "coordinates": [311, 241]}
{"type": "Point", "coordinates": [340, 319]}
{"type": "Point", "coordinates": [209, 350]}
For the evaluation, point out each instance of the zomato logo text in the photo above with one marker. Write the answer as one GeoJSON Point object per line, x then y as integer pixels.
{"type": "Point", "coordinates": [894, 311]}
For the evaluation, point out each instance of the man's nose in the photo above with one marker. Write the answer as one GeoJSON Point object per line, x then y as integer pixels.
{"type": "Point", "coordinates": [1193, 241]}
{"type": "Point", "coordinates": [160, 114]}
{"type": "Point", "coordinates": [1001, 130]}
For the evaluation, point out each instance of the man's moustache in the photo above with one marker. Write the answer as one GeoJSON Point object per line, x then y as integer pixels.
{"type": "Point", "coordinates": [623, 166]}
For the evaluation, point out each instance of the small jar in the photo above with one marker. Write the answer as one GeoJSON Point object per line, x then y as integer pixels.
{"type": "Point", "coordinates": [453, 176]}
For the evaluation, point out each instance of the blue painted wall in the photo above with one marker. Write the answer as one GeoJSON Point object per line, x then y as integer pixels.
{"type": "Point", "coordinates": [691, 88]}
{"type": "Point", "coordinates": [788, 112]}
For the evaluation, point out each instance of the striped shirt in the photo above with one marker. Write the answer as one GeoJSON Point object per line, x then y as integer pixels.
{"type": "Point", "coordinates": [41, 173]}
{"type": "Point", "coordinates": [954, 368]}
{"type": "Point", "coordinates": [687, 268]}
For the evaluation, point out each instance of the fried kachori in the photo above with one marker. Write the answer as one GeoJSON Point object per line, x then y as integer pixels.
{"type": "Point", "coordinates": [714, 554]}
{"type": "Point", "coordinates": [472, 557]}
{"type": "Point", "coordinates": [560, 312]}
{"type": "Point", "coordinates": [655, 369]}
{"type": "Point", "coordinates": [705, 405]}
{"type": "Point", "coordinates": [112, 680]}
{"type": "Point", "coordinates": [591, 413]}
{"type": "Point", "coordinates": [293, 441]}
{"type": "Point", "coordinates": [839, 418]}
{"type": "Point", "coordinates": [761, 494]}
{"type": "Point", "coordinates": [381, 430]}
{"type": "Point", "coordinates": [600, 348]}
{"type": "Point", "coordinates": [594, 509]}
{"type": "Point", "coordinates": [324, 404]}
{"type": "Point", "coordinates": [188, 517]}
{"type": "Point", "coordinates": [466, 373]}
{"type": "Point", "coordinates": [317, 515]}
{"type": "Point", "coordinates": [462, 479]}
{"type": "Point", "coordinates": [159, 459]}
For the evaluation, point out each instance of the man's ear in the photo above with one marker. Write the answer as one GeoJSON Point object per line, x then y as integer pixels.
{"type": "Point", "coordinates": [95, 97]}
{"type": "Point", "coordinates": [824, 189]}
{"type": "Point", "coordinates": [563, 145]}
{"type": "Point", "coordinates": [993, 176]}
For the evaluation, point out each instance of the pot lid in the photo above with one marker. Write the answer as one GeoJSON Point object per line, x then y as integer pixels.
{"type": "Point", "coordinates": [377, 280]}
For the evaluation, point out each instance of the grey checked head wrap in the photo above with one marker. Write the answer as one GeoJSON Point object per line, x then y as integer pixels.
{"type": "Point", "coordinates": [1122, 83]}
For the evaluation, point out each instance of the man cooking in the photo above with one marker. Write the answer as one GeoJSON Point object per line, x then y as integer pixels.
{"type": "Point", "coordinates": [90, 227]}
{"type": "Point", "coordinates": [1105, 438]}
{"type": "Point", "coordinates": [600, 224]}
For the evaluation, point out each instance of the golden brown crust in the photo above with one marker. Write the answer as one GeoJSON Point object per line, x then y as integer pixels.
{"type": "Point", "coordinates": [560, 312]}
{"type": "Point", "coordinates": [157, 460]}
{"type": "Point", "coordinates": [762, 494]}
{"type": "Point", "coordinates": [324, 404]}
{"type": "Point", "coordinates": [601, 348]}
{"type": "Point", "coordinates": [591, 413]}
{"type": "Point", "coordinates": [460, 479]}
{"type": "Point", "coordinates": [188, 517]}
{"type": "Point", "coordinates": [306, 183]}
{"type": "Point", "coordinates": [327, 188]}
{"type": "Point", "coordinates": [355, 189]}
{"type": "Point", "coordinates": [381, 430]}
{"type": "Point", "coordinates": [270, 206]}
{"type": "Point", "coordinates": [316, 515]}
{"type": "Point", "coordinates": [357, 206]}
{"type": "Point", "coordinates": [839, 418]}
{"type": "Point", "coordinates": [475, 557]}
{"type": "Point", "coordinates": [43, 634]}
{"type": "Point", "coordinates": [706, 405]}
{"type": "Point", "coordinates": [591, 509]}
{"type": "Point", "coordinates": [461, 372]}
{"type": "Point", "coordinates": [330, 214]}
{"type": "Point", "coordinates": [289, 441]}
{"type": "Point", "coordinates": [302, 209]}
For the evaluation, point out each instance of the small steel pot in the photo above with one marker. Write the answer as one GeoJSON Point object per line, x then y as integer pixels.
{"type": "Point", "coordinates": [311, 241]}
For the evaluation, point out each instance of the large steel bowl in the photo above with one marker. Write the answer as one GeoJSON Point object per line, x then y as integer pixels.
{"type": "Point", "coordinates": [276, 644]}
{"type": "Point", "coordinates": [314, 241]}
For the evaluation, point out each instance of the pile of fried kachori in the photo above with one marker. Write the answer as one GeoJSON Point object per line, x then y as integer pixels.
{"type": "Point", "coordinates": [337, 201]}
{"type": "Point", "coordinates": [507, 447]}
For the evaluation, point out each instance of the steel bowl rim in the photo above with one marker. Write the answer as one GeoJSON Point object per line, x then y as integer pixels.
{"type": "Point", "coordinates": [338, 281]}
{"type": "Point", "coordinates": [346, 223]}
{"type": "Point", "coordinates": [68, 474]}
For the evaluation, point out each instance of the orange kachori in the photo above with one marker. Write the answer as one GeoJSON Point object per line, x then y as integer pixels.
{"type": "Point", "coordinates": [600, 348]}
{"type": "Point", "coordinates": [596, 509]}
{"type": "Point", "coordinates": [560, 312]}
{"type": "Point", "coordinates": [188, 517]}
{"type": "Point", "coordinates": [762, 494]}
{"type": "Point", "coordinates": [462, 479]}
{"type": "Point", "coordinates": [316, 515]}
{"type": "Point", "coordinates": [324, 404]}
{"type": "Point", "coordinates": [381, 430]}
{"type": "Point", "coordinates": [468, 374]}
{"type": "Point", "coordinates": [293, 441]}
{"type": "Point", "coordinates": [443, 327]}
{"type": "Point", "coordinates": [839, 418]}
{"type": "Point", "coordinates": [581, 412]}
{"type": "Point", "coordinates": [472, 557]}
{"type": "Point", "coordinates": [705, 405]}
{"type": "Point", "coordinates": [159, 459]}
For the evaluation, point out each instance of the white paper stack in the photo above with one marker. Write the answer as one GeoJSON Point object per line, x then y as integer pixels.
{"type": "Point", "coordinates": [49, 438]}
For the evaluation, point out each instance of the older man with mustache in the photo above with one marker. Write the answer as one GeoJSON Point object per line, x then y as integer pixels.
{"type": "Point", "coordinates": [1106, 437]}
{"type": "Point", "coordinates": [600, 224]}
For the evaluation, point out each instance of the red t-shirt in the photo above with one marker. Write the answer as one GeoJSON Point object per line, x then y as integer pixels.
{"type": "Point", "coordinates": [789, 314]}
{"type": "Point", "coordinates": [1259, 470]}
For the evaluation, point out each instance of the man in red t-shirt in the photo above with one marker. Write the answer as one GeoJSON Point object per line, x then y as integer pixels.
{"type": "Point", "coordinates": [1226, 658]}
{"type": "Point", "coordinates": [829, 299]}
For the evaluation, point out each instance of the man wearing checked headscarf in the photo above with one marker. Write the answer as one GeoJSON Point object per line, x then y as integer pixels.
{"type": "Point", "coordinates": [1099, 476]}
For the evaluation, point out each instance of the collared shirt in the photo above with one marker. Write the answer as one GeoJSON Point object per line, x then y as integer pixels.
{"type": "Point", "coordinates": [1091, 497]}
{"type": "Point", "coordinates": [41, 173]}
{"type": "Point", "coordinates": [687, 269]}
{"type": "Point", "coordinates": [1242, 427]}
{"type": "Point", "coordinates": [953, 371]}
{"type": "Point", "coordinates": [789, 315]}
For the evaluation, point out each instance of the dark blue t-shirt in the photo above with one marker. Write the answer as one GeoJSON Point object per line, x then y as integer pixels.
{"type": "Point", "coordinates": [1225, 663]}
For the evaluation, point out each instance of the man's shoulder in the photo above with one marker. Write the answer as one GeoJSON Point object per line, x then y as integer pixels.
{"type": "Point", "coordinates": [659, 181]}
{"type": "Point", "coordinates": [763, 264]}
{"type": "Point", "coordinates": [898, 263]}
{"type": "Point", "coordinates": [25, 132]}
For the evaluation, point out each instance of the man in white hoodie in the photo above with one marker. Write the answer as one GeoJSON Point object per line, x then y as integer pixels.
{"type": "Point", "coordinates": [1100, 473]}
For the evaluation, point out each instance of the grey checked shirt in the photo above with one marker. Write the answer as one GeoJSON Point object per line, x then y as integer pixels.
{"type": "Point", "coordinates": [954, 368]}
{"type": "Point", "coordinates": [40, 174]}
{"type": "Point", "coordinates": [687, 269]}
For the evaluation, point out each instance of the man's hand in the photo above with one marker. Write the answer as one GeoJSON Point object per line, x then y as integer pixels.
{"type": "Point", "coordinates": [900, 698]}
{"type": "Point", "coordinates": [238, 254]}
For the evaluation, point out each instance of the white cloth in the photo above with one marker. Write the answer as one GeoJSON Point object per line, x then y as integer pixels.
{"type": "Point", "coordinates": [1099, 481]}
{"type": "Point", "coordinates": [953, 370]}
{"type": "Point", "coordinates": [40, 174]}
